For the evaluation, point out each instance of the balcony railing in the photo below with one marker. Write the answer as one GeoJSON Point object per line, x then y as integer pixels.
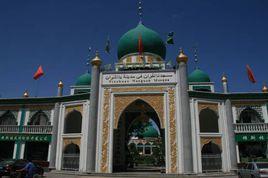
{"type": "Point", "coordinates": [251, 127]}
{"type": "Point", "coordinates": [30, 129]}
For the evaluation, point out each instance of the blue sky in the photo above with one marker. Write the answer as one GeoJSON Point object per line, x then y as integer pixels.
{"type": "Point", "coordinates": [56, 34]}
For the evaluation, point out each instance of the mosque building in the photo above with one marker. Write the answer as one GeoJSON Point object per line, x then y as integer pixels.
{"type": "Point", "coordinates": [142, 104]}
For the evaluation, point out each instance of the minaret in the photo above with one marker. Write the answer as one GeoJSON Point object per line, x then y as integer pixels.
{"type": "Point", "coordinates": [224, 84]}
{"type": "Point", "coordinates": [93, 113]}
{"type": "Point", "coordinates": [182, 60]}
{"type": "Point", "coordinates": [230, 125]}
{"type": "Point", "coordinates": [60, 88]}
{"type": "Point", "coordinates": [54, 140]}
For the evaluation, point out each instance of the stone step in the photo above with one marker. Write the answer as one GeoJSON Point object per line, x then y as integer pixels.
{"type": "Point", "coordinates": [69, 174]}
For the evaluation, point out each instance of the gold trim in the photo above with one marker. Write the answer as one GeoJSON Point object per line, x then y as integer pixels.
{"type": "Point", "coordinates": [212, 106]}
{"type": "Point", "coordinates": [105, 131]}
{"type": "Point", "coordinates": [69, 109]}
{"type": "Point", "coordinates": [156, 101]}
{"type": "Point", "coordinates": [216, 140]}
{"type": "Point", "coordinates": [139, 89]}
{"type": "Point", "coordinates": [172, 131]}
{"type": "Point", "coordinates": [67, 141]}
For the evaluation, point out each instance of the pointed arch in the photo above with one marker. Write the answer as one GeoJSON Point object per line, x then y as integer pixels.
{"type": "Point", "coordinates": [208, 121]}
{"type": "Point", "coordinates": [8, 118]}
{"type": "Point", "coordinates": [73, 122]}
{"type": "Point", "coordinates": [39, 118]}
{"type": "Point", "coordinates": [71, 156]}
{"type": "Point", "coordinates": [249, 115]}
{"type": "Point", "coordinates": [155, 101]}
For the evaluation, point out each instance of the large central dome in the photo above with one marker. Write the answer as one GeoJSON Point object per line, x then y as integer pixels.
{"type": "Point", "coordinates": [151, 41]}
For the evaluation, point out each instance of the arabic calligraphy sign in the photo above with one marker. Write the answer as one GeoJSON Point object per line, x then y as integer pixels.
{"type": "Point", "coordinates": [139, 78]}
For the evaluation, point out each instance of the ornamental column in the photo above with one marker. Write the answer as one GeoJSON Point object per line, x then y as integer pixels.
{"type": "Point", "coordinates": [93, 114]}
{"type": "Point", "coordinates": [185, 113]}
{"type": "Point", "coordinates": [55, 124]}
{"type": "Point", "coordinates": [230, 126]}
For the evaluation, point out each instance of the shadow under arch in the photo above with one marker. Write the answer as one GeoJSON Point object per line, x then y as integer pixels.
{"type": "Point", "coordinates": [146, 100]}
{"type": "Point", "coordinates": [211, 157]}
{"type": "Point", "coordinates": [137, 110]}
{"type": "Point", "coordinates": [208, 121]}
{"type": "Point", "coordinates": [71, 156]}
{"type": "Point", "coordinates": [73, 122]}
{"type": "Point", "coordinates": [250, 115]}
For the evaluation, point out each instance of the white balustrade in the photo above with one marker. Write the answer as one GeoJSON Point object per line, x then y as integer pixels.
{"type": "Point", "coordinates": [31, 129]}
{"type": "Point", "coordinates": [44, 129]}
{"type": "Point", "coordinates": [9, 128]}
{"type": "Point", "coordinates": [251, 127]}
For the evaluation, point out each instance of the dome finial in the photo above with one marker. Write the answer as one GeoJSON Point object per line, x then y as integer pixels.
{"type": "Point", "coordinates": [140, 11]}
{"type": "Point", "coordinates": [264, 88]}
{"type": "Point", "coordinates": [96, 60]}
{"type": "Point", "coordinates": [224, 78]}
{"type": "Point", "coordinates": [182, 57]}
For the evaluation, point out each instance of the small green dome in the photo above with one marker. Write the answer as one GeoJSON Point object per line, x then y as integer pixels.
{"type": "Point", "coordinates": [150, 131]}
{"type": "Point", "coordinates": [84, 79]}
{"type": "Point", "coordinates": [151, 42]}
{"type": "Point", "coordinates": [198, 76]}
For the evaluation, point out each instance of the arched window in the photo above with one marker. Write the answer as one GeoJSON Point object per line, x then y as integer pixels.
{"type": "Point", "coordinates": [140, 148]}
{"type": "Point", "coordinates": [73, 122]}
{"type": "Point", "coordinates": [71, 157]}
{"type": "Point", "coordinates": [8, 119]}
{"type": "Point", "coordinates": [72, 149]}
{"type": "Point", "coordinates": [208, 121]}
{"type": "Point", "coordinates": [148, 149]}
{"type": "Point", "coordinates": [39, 118]}
{"type": "Point", "coordinates": [250, 115]}
{"type": "Point", "coordinates": [211, 157]}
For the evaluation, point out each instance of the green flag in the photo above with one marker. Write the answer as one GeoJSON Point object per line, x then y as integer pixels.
{"type": "Point", "coordinates": [170, 38]}
{"type": "Point", "coordinates": [108, 46]}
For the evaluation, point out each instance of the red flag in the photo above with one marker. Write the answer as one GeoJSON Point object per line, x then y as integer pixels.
{"type": "Point", "coordinates": [38, 73]}
{"type": "Point", "coordinates": [140, 46]}
{"type": "Point", "coordinates": [250, 75]}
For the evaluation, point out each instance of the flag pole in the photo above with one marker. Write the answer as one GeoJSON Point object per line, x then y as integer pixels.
{"type": "Point", "coordinates": [36, 88]}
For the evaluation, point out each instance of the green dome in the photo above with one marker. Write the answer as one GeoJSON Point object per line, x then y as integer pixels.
{"type": "Point", "coordinates": [151, 42]}
{"type": "Point", "coordinates": [198, 76]}
{"type": "Point", "coordinates": [150, 131]}
{"type": "Point", "coordinates": [84, 79]}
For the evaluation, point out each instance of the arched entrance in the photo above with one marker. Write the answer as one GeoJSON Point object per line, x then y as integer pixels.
{"type": "Point", "coordinates": [211, 157]}
{"type": "Point", "coordinates": [71, 157]}
{"type": "Point", "coordinates": [139, 143]}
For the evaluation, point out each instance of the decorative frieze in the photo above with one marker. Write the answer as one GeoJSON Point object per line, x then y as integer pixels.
{"type": "Point", "coordinates": [105, 131]}
{"type": "Point", "coordinates": [172, 131]}
{"type": "Point", "coordinates": [206, 140]}
{"type": "Point", "coordinates": [156, 101]}
{"type": "Point", "coordinates": [205, 105]}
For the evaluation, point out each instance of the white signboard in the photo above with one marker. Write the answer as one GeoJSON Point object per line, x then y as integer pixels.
{"type": "Point", "coordinates": [139, 78]}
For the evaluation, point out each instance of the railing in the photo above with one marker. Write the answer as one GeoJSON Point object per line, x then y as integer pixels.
{"type": "Point", "coordinates": [211, 163]}
{"type": "Point", "coordinates": [70, 162]}
{"type": "Point", "coordinates": [9, 128]}
{"type": "Point", "coordinates": [46, 129]}
{"type": "Point", "coordinates": [251, 127]}
{"type": "Point", "coordinates": [42, 129]}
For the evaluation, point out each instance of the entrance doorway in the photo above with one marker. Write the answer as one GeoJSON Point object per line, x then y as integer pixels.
{"type": "Point", "coordinates": [6, 149]}
{"type": "Point", "coordinates": [211, 158]}
{"type": "Point", "coordinates": [253, 151]}
{"type": "Point", "coordinates": [36, 151]}
{"type": "Point", "coordinates": [139, 143]}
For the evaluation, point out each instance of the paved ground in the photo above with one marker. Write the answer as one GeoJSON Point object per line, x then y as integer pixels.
{"type": "Point", "coordinates": [134, 175]}
{"type": "Point", "coordinates": [61, 174]}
